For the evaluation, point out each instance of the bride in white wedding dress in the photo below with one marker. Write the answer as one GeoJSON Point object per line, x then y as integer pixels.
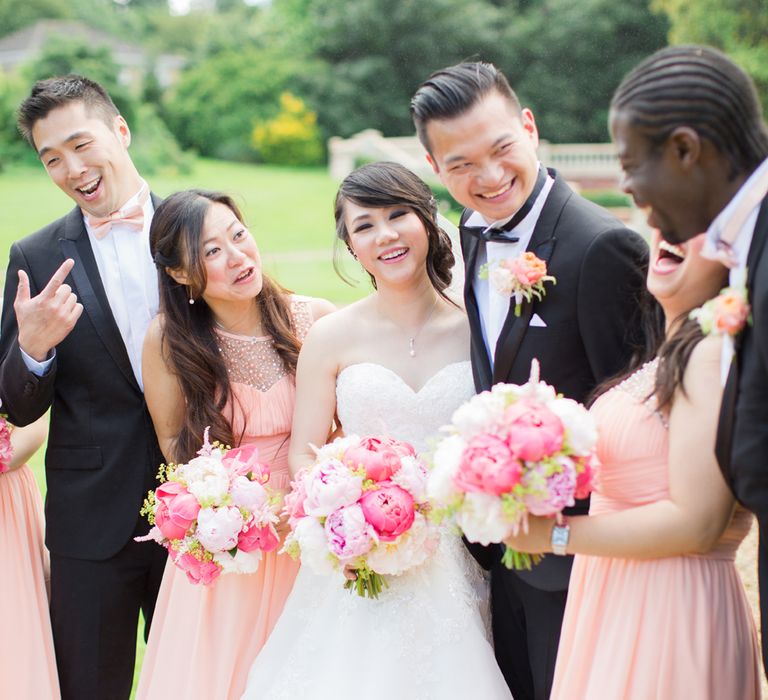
{"type": "Point", "coordinates": [394, 363]}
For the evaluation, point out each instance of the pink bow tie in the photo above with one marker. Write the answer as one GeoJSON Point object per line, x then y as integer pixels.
{"type": "Point", "coordinates": [132, 217]}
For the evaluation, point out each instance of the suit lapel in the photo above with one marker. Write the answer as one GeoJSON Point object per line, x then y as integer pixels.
{"type": "Point", "coordinates": [758, 243]}
{"type": "Point", "coordinates": [481, 364]}
{"type": "Point", "coordinates": [543, 245]}
{"type": "Point", "coordinates": [90, 291]}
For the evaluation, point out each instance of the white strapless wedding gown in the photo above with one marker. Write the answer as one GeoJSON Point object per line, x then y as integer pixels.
{"type": "Point", "coordinates": [424, 638]}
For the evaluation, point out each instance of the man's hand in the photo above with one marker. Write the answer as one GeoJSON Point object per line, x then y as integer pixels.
{"type": "Point", "coordinates": [46, 319]}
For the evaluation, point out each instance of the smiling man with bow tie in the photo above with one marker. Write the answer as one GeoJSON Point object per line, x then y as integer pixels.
{"type": "Point", "coordinates": [482, 145]}
{"type": "Point", "coordinates": [79, 295]}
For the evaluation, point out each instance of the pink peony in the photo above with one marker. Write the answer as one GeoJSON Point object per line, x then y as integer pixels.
{"type": "Point", "coordinates": [488, 466]}
{"type": "Point", "coordinates": [557, 493]}
{"type": "Point", "coordinates": [197, 571]}
{"type": "Point", "coordinates": [389, 509]}
{"type": "Point", "coordinates": [293, 502]}
{"type": "Point", "coordinates": [244, 460]}
{"type": "Point", "coordinates": [248, 494]}
{"type": "Point", "coordinates": [330, 486]}
{"type": "Point", "coordinates": [176, 510]}
{"type": "Point", "coordinates": [379, 456]}
{"type": "Point", "coordinates": [533, 431]}
{"type": "Point", "coordinates": [253, 537]}
{"type": "Point", "coordinates": [586, 474]}
{"type": "Point", "coordinates": [6, 450]}
{"type": "Point", "coordinates": [349, 534]}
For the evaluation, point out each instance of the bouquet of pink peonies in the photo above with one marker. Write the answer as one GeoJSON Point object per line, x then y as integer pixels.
{"type": "Point", "coordinates": [6, 450]}
{"type": "Point", "coordinates": [215, 514]}
{"type": "Point", "coordinates": [512, 451]}
{"type": "Point", "coordinates": [362, 506]}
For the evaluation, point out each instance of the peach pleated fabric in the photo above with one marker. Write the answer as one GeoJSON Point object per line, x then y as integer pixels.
{"type": "Point", "coordinates": [666, 629]}
{"type": "Point", "coordinates": [27, 662]}
{"type": "Point", "coordinates": [204, 638]}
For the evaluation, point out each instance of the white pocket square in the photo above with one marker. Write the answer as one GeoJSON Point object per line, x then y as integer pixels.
{"type": "Point", "coordinates": [537, 321]}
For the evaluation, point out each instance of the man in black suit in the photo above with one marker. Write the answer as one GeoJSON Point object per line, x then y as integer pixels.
{"type": "Point", "coordinates": [482, 145]}
{"type": "Point", "coordinates": [694, 149]}
{"type": "Point", "coordinates": [78, 297]}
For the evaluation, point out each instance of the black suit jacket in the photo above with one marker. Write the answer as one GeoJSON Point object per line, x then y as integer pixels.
{"type": "Point", "coordinates": [591, 316]}
{"type": "Point", "coordinates": [102, 453]}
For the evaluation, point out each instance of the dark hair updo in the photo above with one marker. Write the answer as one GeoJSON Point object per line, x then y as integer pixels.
{"type": "Point", "coordinates": [390, 184]}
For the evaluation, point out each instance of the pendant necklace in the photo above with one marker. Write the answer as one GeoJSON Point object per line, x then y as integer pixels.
{"type": "Point", "coordinates": [412, 339]}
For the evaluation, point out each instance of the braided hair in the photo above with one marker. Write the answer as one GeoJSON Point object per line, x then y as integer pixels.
{"type": "Point", "coordinates": [701, 88]}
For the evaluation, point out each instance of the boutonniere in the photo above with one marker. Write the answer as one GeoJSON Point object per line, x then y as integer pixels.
{"type": "Point", "coordinates": [725, 314]}
{"type": "Point", "coordinates": [522, 277]}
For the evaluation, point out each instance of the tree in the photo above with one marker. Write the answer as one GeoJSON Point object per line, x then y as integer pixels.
{"type": "Point", "coordinates": [737, 27]}
{"type": "Point", "coordinates": [16, 15]}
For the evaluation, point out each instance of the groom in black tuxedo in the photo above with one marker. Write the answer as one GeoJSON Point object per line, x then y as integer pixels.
{"type": "Point", "coordinates": [693, 145]}
{"type": "Point", "coordinates": [482, 145]}
{"type": "Point", "coordinates": [78, 297]}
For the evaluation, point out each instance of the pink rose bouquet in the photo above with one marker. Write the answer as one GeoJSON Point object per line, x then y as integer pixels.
{"type": "Point", "coordinates": [522, 277]}
{"type": "Point", "coordinates": [508, 452]}
{"type": "Point", "coordinates": [215, 514]}
{"type": "Point", "coordinates": [362, 506]}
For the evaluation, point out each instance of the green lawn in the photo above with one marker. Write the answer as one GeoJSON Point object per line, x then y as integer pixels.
{"type": "Point", "coordinates": [289, 211]}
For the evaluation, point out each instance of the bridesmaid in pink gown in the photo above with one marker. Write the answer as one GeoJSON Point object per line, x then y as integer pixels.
{"type": "Point", "coordinates": [656, 608]}
{"type": "Point", "coordinates": [27, 662]}
{"type": "Point", "coordinates": [222, 353]}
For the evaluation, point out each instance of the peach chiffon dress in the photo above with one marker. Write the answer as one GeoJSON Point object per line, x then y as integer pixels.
{"type": "Point", "coordinates": [666, 629]}
{"type": "Point", "coordinates": [27, 661]}
{"type": "Point", "coordinates": [204, 638]}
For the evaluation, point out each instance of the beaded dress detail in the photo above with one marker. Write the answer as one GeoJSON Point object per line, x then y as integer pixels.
{"type": "Point", "coordinates": [214, 632]}
{"type": "Point", "coordinates": [424, 638]}
{"type": "Point", "coordinates": [678, 627]}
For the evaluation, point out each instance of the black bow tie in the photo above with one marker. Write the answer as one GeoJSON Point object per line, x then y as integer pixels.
{"type": "Point", "coordinates": [502, 233]}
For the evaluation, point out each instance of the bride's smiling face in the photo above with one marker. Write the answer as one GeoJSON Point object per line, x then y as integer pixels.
{"type": "Point", "coordinates": [389, 242]}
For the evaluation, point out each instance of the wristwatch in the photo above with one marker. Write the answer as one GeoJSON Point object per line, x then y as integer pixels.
{"type": "Point", "coordinates": [560, 534]}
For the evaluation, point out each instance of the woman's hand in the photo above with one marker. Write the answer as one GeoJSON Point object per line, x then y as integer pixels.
{"type": "Point", "coordinates": [349, 573]}
{"type": "Point", "coordinates": [538, 538]}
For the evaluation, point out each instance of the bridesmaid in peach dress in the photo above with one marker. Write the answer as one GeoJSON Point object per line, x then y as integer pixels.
{"type": "Point", "coordinates": [222, 353]}
{"type": "Point", "coordinates": [656, 608]}
{"type": "Point", "coordinates": [27, 662]}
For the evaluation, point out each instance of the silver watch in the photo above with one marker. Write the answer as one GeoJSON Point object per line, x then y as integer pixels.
{"type": "Point", "coordinates": [560, 535]}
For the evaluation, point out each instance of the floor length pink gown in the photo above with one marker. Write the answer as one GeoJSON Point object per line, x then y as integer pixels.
{"type": "Point", "coordinates": [27, 661]}
{"type": "Point", "coordinates": [661, 629]}
{"type": "Point", "coordinates": [204, 638]}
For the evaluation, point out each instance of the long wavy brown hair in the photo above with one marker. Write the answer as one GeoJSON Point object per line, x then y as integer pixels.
{"type": "Point", "coordinates": [189, 341]}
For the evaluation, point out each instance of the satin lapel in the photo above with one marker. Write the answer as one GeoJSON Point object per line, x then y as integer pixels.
{"type": "Point", "coordinates": [481, 364]}
{"type": "Point", "coordinates": [758, 242]}
{"type": "Point", "coordinates": [543, 244]}
{"type": "Point", "coordinates": [90, 292]}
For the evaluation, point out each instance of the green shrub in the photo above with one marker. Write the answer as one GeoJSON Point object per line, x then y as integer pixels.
{"type": "Point", "coordinates": [153, 147]}
{"type": "Point", "coordinates": [291, 137]}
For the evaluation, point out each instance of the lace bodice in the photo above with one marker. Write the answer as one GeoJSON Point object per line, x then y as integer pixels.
{"type": "Point", "coordinates": [373, 400]}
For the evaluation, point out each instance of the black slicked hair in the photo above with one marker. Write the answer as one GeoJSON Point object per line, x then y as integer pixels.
{"type": "Point", "coordinates": [701, 88]}
{"type": "Point", "coordinates": [450, 92]}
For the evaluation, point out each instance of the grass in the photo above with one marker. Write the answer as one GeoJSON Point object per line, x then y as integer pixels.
{"type": "Point", "coordinates": [289, 211]}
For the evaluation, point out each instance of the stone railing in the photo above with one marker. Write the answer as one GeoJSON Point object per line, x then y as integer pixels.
{"type": "Point", "coordinates": [590, 165]}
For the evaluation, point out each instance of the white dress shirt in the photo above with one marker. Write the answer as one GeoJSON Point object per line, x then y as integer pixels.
{"type": "Point", "coordinates": [492, 306]}
{"type": "Point", "coordinates": [129, 277]}
{"type": "Point", "coordinates": [737, 277]}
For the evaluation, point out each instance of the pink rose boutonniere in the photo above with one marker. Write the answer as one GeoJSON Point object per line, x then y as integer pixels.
{"type": "Point", "coordinates": [522, 277]}
{"type": "Point", "coordinates": [725, 314]}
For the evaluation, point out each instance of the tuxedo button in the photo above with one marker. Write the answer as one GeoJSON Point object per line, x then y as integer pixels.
{"type": "Point", "coordinates": [29, 389]}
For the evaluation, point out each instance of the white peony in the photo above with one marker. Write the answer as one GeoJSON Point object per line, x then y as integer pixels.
{"type": "Point", "coordinates": [413, 548]}
{"type": "Point", "coordinates": [580, 428]}
{"type": "Point", "coordinates": [412, 476]}
{"type": "Point", "coordinates": [241, 563]}
{"type": "Point", "coordinates": [248, 494]}
{"type": "Point", "coordinates": [482, 519]}
{"type": "Point", "coordinates": [502, 280]}
{"type": "Point", "coordinates": [446, 460]}
{"type": "Point", "coordinates": [331, 485]}
{"type": "Point", "coordinates": [309, 534]}
{"type": "Point", "coordinates": [207, 479]}
{"type": "Point", "coordinates": [480, 414]}
{"type": "Point", "coordinates": [218, 528]}
{"type": "Point", "coordinates": [335, 449]}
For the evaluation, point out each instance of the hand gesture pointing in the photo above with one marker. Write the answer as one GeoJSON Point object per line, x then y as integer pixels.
{"type": "Point", "coordinates": [46, 319]}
